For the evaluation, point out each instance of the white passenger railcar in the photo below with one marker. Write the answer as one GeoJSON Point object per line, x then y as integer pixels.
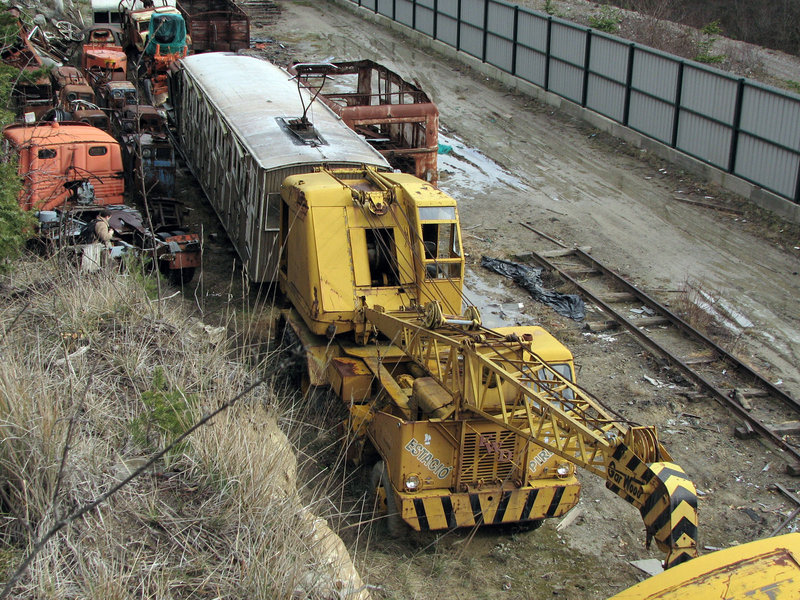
{"type": "Point", "coordinates": [238, 123]}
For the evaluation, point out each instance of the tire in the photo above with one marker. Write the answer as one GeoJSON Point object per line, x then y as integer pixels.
{"type": "Point", "coordinates": [180, 277]}
{"type": "Point", "coordinates": [385, 504]}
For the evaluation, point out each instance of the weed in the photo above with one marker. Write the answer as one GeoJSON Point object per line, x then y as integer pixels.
{"type": "Point", "coordinates": [792, 85]}
{"type": "Point", "coordinates": [169, 413]}
{"type": "Point", "coordinates": [607, 20]}
{"type": "Point", "coordinates": [549, 8]}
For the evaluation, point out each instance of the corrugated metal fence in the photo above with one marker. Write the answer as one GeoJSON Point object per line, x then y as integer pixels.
{"type": "Point", "coordinates": [735, 124]}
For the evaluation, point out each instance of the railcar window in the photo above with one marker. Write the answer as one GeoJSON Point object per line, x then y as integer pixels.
{"type": "Point", "coordinates": [98, 151]}
{"type": "Point", "coordinates": [46, 153]}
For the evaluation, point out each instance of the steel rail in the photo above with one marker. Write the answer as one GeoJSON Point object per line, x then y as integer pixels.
{"type": "Point", "coordinates": [692, 375]}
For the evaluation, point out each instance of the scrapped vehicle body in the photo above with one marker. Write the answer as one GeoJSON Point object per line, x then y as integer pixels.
{"type": "Point", "coordinates": [148, 155]}
{"type": "Point", "coordinates": [70, 87]}
{"type": "Point", "coordinates": [101, 55]}
{"type": "Point", "coordinates": [93, 116]}
{"type": "Point", "coordinates": [54, 158]}
{"type": "Point", "coordinates": [33, 97]}
{"type": "Point", "coordinates": [767, 569]}
{"type": "Point", "coordinates": [215, 25]}
{"type": "Point", "coordinates": [395, 116]}
{"type": "Point", "coordinates": [176, 253]}
{"type": "Point", "coordinates": [116, 95]}
{"type": "Point", "coordinates": [136, 23]}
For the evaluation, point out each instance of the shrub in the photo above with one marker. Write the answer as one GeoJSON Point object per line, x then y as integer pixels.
{"type": "Point", "coordinates": [706, 43]}
{"type": "Point", "coordinates": [607, 20]}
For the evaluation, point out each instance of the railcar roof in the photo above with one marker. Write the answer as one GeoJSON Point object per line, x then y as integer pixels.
{"type": "Point", "coordinates": [252, 94]}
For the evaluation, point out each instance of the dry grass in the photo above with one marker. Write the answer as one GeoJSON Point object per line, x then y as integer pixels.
{"type": "Point", "coordinates": [219, 518]}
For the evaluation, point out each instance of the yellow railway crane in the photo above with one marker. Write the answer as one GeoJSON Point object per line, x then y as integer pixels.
{"type": "Point", "coordinates": [467, 425]}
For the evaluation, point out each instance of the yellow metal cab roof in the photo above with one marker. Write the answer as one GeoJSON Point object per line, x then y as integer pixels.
{"type": "Point", "coordinates": [766, 569]}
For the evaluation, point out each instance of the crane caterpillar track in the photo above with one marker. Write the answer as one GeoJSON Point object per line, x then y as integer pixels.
{"type": "Point", "coordinates": [501, 379]}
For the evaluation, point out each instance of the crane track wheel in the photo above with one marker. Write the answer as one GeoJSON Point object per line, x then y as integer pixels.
{"type": "Point", "coordinates": [385, 500]}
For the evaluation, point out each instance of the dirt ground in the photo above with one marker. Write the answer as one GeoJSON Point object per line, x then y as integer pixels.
{"type": "Point", "coordinates": [513, 161]}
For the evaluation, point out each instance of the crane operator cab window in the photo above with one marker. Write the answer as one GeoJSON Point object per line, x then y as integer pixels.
{"type": "Point", "coordinates": [442, 259]}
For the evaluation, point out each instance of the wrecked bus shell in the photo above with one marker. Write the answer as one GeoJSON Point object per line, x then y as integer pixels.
{"type": "Point", "coordinates": [394, 115]}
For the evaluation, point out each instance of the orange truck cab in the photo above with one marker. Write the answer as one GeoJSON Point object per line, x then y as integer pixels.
{"type": "Point", "coordinates": [55, 158]}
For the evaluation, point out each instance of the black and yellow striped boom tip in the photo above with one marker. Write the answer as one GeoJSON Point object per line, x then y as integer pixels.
{"type": "Point", "coordinates": [670, 513]}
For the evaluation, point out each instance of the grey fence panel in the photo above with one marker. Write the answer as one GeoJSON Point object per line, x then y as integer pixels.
{"type": "Point", "coordinates": [654, 74]}
{"type": "Point", "coordinates": [500, 53]}
{"type": "Point", "coordinates": [447, 26]}
{"type": "Point", "coordinates": [770, 166]}
{"type": "Point", "coordinates": [772, 117]}
{"type": "Point", "coordinates": [448, 8]}
{"type": "Point", "coordinates": [370, 4]}
{"type": "Point", "coordinates": [424, 20]}
{"type": "Point", "coordinates": [447, 30]}
{"type": "Point", "coordinates": [606, 97]}
{"type": "Point", "coordinates": [472, 12]}
{"type": "Point", "coordinates": [427, 3]}
{"type": "Point", "coordinates": [568, 43]}
{"type": "Point", "coordinates": [405, 12]}
{"type": "Point", "coordinates": [704, 139]}
{"type": "Point", "coordinates": [472, 40]}
{"type": "Point", "coordinates": [500, 41]}
{"type": "Point", "coordinates": [709, 94]}
{"type": "Point", "coordinates": [500, 20]}
{"type": "Point", "coordinates": [609, 58]}
{"type": "Point", "coordinates": [566, 80]}
{"type": "Point", "coordinates": [531, 65]}
{"type": "Point", "coordinates": [385, 7]}
{"type": "Point", "coordinates": [532, 31]}
{"type": "Point", "coordinates": [651, 116]}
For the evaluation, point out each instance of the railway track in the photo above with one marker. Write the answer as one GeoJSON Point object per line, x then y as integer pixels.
{"type": "Point", "coordinates": [763, 409]}
{"type": "Point", "coordinates": [261, 12]}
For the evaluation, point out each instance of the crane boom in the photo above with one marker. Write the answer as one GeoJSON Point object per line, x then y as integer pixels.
{"type": "Point", "coordinates": [478, 366]}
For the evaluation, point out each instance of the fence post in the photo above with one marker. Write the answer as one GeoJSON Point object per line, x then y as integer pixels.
{"type": "Point", "coordinates": [485, 28]}
{"type": "Point", "coordinates": [626, 111]}
{"type": "Point", "coordinates": [414, 15]}
{"type": "Point", "coordinates": [737, 121]}
{"type": "Point", "coordinates": [547, 54]}
{"type": "Point", "coordinates": [394, 10]}
{"type": "Point", "coordinates": [458, 26]}
{"type": "Point", "coordinates": [797, 187]}
{"type": "Point", "coordinates": [677, 114]}
{"type": "Point", "coordinates": [514, 43]}
{"type": "Point", "coordinates": [587, 56]}
{"type": "Point", "coordinates": [435, 19]}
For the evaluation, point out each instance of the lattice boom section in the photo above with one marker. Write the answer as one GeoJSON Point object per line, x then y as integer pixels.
{"type": "Point", "coordinates": [488, 457]}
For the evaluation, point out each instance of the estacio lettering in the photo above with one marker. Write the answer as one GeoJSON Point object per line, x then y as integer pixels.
{"type": "Point", "coordinates": [426, 458]}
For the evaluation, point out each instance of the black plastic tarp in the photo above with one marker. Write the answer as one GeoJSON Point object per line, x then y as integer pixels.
{"type": "Point", "coordinates": [568, 305]}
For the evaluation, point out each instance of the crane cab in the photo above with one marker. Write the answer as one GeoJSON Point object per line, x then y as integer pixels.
{"type": "Point", "coordinates": [355, 238]}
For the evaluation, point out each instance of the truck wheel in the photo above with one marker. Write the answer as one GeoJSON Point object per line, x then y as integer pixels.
{"type": "Point", "coordinates": [385, 500]}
